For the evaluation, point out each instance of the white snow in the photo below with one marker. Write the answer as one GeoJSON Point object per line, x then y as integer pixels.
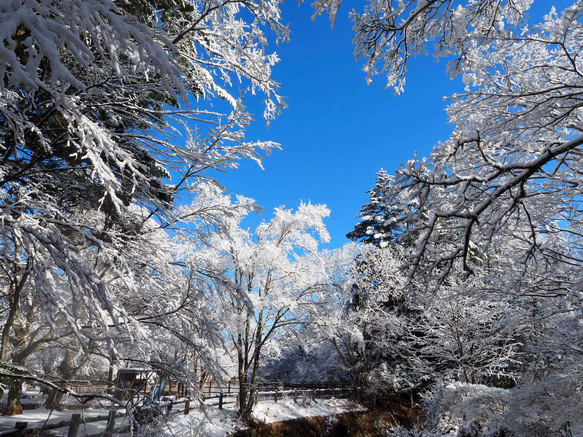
{"type": "Point", "coordinates": [209, 423]}
{"type": "Point", "coordinates": [38, 416]}
{"type": "Point", "coordinates": [217, 423]}
{"type": "Point", "coordinates": [270, 412]}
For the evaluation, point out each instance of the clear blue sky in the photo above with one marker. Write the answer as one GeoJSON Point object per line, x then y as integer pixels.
{"type": "Point", "coordinates": [338, 131]}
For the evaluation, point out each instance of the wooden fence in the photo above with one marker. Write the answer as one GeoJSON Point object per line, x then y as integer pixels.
{"type": "Point", "coordinates": [275, 391]}
{"type": "Point", "coordinates": [217, 396]}
{"type": "Point", "coordinates": [22, 429]}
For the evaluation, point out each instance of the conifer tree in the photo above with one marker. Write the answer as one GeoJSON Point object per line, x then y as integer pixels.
{"type": "Point", "coordinates": [380, 218]}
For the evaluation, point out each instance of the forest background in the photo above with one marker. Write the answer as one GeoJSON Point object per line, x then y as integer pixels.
{"type": "Point", "coordinates": [120, 248]}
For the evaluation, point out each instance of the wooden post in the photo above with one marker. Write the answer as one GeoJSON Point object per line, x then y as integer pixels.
{"type": "Point", "coordinates": [296, 395]}
{"type": "Point", "coordinates": [110, 424]}
{"type": "Point", "coordinates": [210, 389]}
{"type": "Point", "coordinates": [21, 425]}
{"type": "Point", "coordinates": [187, 407]}
{"type": "Point", "coordinates": [313, 394]}
{"type": "Point", "coordinates": [275, 395]}
{"type": "Point", "coordinates": [74, 426]}
{"type": "Point", "coordinates": [220, 401]}
{"type": "Point", "coordinates": [229, 387]}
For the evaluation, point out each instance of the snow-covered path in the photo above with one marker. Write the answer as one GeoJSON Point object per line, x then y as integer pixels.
{"type": "Point", "coordinates": [39, 416]}
{"type": "Point", "coordinates": [209, 423]}
{"type": "Point", "coordinates": [219, 423]}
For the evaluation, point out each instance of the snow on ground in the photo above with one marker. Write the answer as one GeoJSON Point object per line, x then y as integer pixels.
{"type": "Point", "coordinates": [217, 423]}
{"type": "Point", "coordinates": [269, 412]}
{"type": "Point", "coordinates": [210, 422]}
{"type": "Point", "coordinates": [41, 415]}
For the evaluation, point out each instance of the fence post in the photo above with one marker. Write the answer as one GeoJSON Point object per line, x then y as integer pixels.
{"type": "Point", "coordinates": [313, 394]}
{"type": "Point", "coordinates": [296, 395]}
{"type": "Point", "coordinates": [110, 424]}
{"type": "Point", "coordinates": [229, 387]}
{"type": "Point", "coordinates": [275, 395]}
{"type": "Point", "coordinates": [210, 389]}
{"type": "Point", "coordinates": [187, 407]}
{"type": "Point", "coordinates": [21, 426]}
{"type": "Point", "coordinates": [74, 426]}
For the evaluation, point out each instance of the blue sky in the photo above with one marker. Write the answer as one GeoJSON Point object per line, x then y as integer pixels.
{"type": "Point", "coordinates": [338, 131]}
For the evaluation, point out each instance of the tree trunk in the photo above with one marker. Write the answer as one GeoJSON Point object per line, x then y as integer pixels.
{"type": "Point", "coordinates": [66, 371]}
{"type": "Point", "coordinates": [16, 288]}
{"type": "Point", "coordinates": [248, 391]}
{"type": "Point", "coordinates": [244, 412]}
{"type": "Point", "coordinates": [54, 399]}
{"type": "Point", "coordinates": [14, 403]}
{"type": "Point", "coordinates": [245, 408]}
{"type": "Point", "coordinates": [245, 394]}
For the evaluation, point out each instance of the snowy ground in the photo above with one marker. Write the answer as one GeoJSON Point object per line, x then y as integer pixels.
{"type": "Point", "coordinates": [211, 422]}
{"type": "Point", "coordinates": [269, 412]}
{"type": "Point", "coordinates": [41, 415]}
{"type": "Point", "coordinates": [217, 423]}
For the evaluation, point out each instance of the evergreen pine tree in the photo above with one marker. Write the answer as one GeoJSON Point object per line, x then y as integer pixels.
{"type": "Point", "coordinates": [381, 217]}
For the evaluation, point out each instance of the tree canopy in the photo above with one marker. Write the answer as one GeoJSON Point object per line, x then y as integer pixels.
{"type": "Point", "coordinates": [106, 117]}
{"type": "Point", "coordinates": [118, 248]}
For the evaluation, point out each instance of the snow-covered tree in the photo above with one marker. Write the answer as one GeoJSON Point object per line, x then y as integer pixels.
{"type": "Point", "coordinates": [495, 210]}
{"type": "Point", "coordinates": [511, 165]}
{"type": "Point", "coordinates": [476, 338]}
{"type": "Point", "coordinates": [389, 33]}
{"type": "Point", "coordinates": [391, 315]}
{"type": "Point", "coordinates": [376, 325]}
{"type": "Point", "coordinates": [261, 282]}
{"type": "Point", "coordinates": [93, 98]}
{"type": "Point", "coordinates": [380, 217]}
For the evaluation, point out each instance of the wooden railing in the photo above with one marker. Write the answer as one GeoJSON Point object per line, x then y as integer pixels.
{"type": "Point", "coordinates": [217, 396]}
{"type": "Point", "coordinates": [21, 428]}
{"type": "Point", "coordinates": [298, 391]}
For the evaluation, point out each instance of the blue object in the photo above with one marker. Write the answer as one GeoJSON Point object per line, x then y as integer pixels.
{"type": "Point", "coordinates": [157, 390]}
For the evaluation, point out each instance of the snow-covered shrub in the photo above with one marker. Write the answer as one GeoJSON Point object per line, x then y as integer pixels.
{"type": "Point", "coordinates": [548, 406]}
{"type": "Point", "coordinates": [210, 422]}
{"type": "Point", "coordinates": [465, 409]}
{"type": "Point", "coordinates": [309, 363]}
